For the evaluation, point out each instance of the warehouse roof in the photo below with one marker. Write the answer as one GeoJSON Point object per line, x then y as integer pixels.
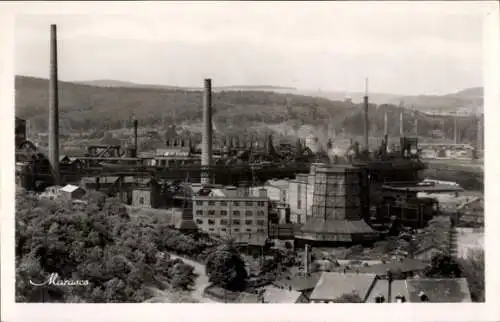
{"type": "Point", "coordinates": [319, 225]}
{"type": "Point", "coordinates": [436, 188]}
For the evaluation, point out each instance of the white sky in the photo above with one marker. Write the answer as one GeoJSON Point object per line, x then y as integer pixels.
{"type": "Point", "coordinates": [403, 48]}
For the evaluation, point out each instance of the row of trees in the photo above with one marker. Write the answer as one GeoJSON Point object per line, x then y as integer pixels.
{"type": "Point", "coordinates": [118, 257]}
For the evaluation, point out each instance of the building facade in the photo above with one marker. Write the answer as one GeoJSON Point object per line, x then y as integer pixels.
{"type": "Point", "coordinates": [228, 212]}
{"type": "Point", "coordinates": [300, 198]}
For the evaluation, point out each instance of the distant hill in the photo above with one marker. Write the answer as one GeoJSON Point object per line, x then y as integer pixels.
{"type": "Point", "coordinates": [111, 105]}
{"type": "Point", "coordinates": [115, 83]}
{"type": "Point", "coordinates": [468, 101]}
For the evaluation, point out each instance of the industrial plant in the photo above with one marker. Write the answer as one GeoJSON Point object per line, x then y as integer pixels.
{"type": "Point", "coordinates": [258, 192]}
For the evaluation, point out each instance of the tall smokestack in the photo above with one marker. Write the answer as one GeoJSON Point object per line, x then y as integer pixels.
{"type": "Point", "coordinates": [136, 146]}
{"type": "Point", "coordinates": [455, 130]}
{"type": "Point", "coordinates": [401, 125]}
{"type": "Point", "coordinates": [386, 132]}
{"type": "Point", "coordinates": [53, 108]}
{"type": "Point", "coordinates": [206, 153]}
{"type": "Point", "coordinates": [366, 124]}
{"type": "Point", "coordinates": [416, 128]}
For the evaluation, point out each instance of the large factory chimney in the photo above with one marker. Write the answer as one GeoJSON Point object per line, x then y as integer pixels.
{"type": "Point", "coordinates": [365, 114]}
{"type": "Point", "coordinates": [53, 108]}
{"type": "Point", "coordinates": [136, 147]}
{"type": "Point", "coordinates": [206, 153]}
{"type": "Point", "coordinates": [455, 130]}
{"type": "Point", "coordinates": [386, 132]}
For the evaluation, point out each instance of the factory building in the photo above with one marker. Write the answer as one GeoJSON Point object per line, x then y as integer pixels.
{"type": "Point", "coordinates": [301, 192]}
{"type": "Point", "coordinates": [337, 208]}
{"type": "Point", "coordinates": [230, 212]}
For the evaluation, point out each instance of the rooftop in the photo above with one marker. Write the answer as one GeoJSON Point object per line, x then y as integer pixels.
{"type": "Point", "coordinates": [429, 187]}
{"type": "Point", "coordinates": [319, 225]}
{"type": "Point", "coordinates": [406, 265]}
{"type": "Point", "coordinates": [333, 285]}
{"type": "Point", "coordinates": [274, 294]}
{"type": "Point", "coordinates": [299, 283]}
{"type": "Point", "coordinates": [381, 288]}
{"type": "Point", "coordinates": [70, 188]}
{"type": "Point", "coordinates": [439, 290]}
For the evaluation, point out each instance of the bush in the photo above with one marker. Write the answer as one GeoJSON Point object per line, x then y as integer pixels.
{"type": "Point", "coordinates": [226, 268]}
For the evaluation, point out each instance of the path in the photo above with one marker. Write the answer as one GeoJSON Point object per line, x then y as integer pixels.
{"type": "Point", "coordinates": [201, 281]}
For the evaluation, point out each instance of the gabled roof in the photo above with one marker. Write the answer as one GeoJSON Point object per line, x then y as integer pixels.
{"type": "Point", "coordinates": [300, 283]}
{"type": "Point", "coordinates": [333, 285]}
{"type": "Point", "coordinates": [274, 294]}
{"type": "Point", "coordinates": [439, 290]}
{"type": "Point", "coordinates": [381, 288]}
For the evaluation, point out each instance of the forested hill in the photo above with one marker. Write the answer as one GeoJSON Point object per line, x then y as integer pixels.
{"type": "Point", "coordinates": [85, 107]}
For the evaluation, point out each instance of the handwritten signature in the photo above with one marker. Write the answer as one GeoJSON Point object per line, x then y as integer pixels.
{"type": "Point", "coordinates": [54, 279]}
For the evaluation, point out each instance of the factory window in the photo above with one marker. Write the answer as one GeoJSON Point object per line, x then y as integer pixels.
{"type": "Point", "coordinates": [223, 212]}
{"type": "Point", "coordinates": [223, 222]}
{"type": "Point", "coordinates": [211, 229]}
{"type": "Point", "coordinates": [236, 203]}
{"type": "Point", "coordinates": [261, 204]}
{"type": "Point", "coordinates": [211, 203]}
{"type": "Point", "coordinates": [299, 203]}
{"type": "Point", "coordinates": [211, 212]}
{"type": "Point", "coordinates": [141, 200]}
{"type": "Point", "coordinates": [236, 229]}
{"type": "Point", "coordinates": [199, 203]}
{"type": "Point", "coordinates": [260, 222]}
{"type": "Point", "coordinates": [199, 212]}
{"type": "Point", "coordinates": [199, 221]}
{"type": "Point", "coordinates": [260, 230]}
{"type": "Point", "coordinates": [249, 203]}
{"type": "Point", "coordinates": [211, 222]}
{"type": "Point", "coordinates": [249, 230]}
{"type": "Point", "coordinates": [236, 213]}
{"type": "Point", "coordinates": [223, 203]}
{"type": "Point", "coordinates": [249, 213]}
{"type": "Point", "coordinates": [248, 222]}
{"type": "Point", "coordinates": [236, 222]}
{"type": "Point", "coordinates": [223, 229]}
{"type": "Point", "coordinates": [260, 214]}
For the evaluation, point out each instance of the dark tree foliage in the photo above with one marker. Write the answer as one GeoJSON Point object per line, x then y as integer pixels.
{"type": "Point", "coordinates": [472, 268]}
{"type": "Point", "coordinates": [101, 244]}
{"type": "Point", "coordinates": [226, 268]}
{"type": "Point", "coordinates": [443, 266]}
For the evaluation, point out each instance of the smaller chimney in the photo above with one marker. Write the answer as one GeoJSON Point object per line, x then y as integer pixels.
{"type": "Point", "coordinates": [389, 286]}
{"type": "Point", "coordinates": [365, 114]}
{"type": "Point", "coordinates": [416, 127]}
{"type": "Point", "coordinates": [401, 125]}
{"type": "Point", "coordinates": [480, 133]}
